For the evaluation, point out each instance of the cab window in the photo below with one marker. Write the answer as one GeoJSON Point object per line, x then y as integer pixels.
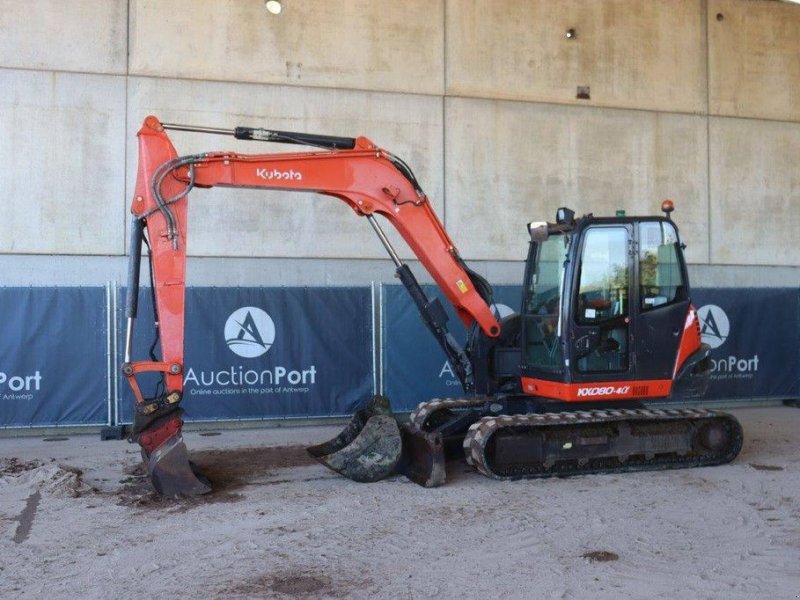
{"type": "Point", "coordinates": [543, 305]}
{"type": "Point", "coordinates": [660, 273]}
{"type": "Point", "coordinates": [603, 289]}
{"type": "Point", "coordinates": [602, 302]}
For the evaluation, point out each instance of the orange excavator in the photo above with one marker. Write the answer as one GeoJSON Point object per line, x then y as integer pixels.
{"type": "Point", "coordinates": [606, 323]}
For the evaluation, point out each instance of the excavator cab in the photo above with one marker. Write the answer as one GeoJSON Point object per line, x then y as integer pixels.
{"type": "Point", "coordinates": [605, 308]}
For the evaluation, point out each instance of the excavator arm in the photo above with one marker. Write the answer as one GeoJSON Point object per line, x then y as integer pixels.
{"type": "Point", "coordinates": [367, 178]}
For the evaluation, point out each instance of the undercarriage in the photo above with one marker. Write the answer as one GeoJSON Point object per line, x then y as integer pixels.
{"type": "Point", "coordinates": [536, 443]}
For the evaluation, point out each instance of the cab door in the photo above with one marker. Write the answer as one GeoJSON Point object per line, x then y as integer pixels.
{"type": "Point", "coordinates": [600, 342]}
{"type": "Point", "coordinates": [663, 299]}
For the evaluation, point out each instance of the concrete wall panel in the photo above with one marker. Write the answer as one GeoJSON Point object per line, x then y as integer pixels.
{"type": "Point", "coordinates": [62, 153]}
{"type": "Point", "coordinates": [226, 222]}
{"type": "Point", "coordinates": [64, 137]}
{"type": "Point", "coordinates": [509, 163]}
{"type": "Point", "coordinates": [755, 192]}
{"type": "Point", "coordinates": [362, 44]}
{"type": "Point", "coordinates": [754, 59]}
{"type": "Point", "coordinates": [632, 54]}
{"type": "Point", "coordinates": [48, 270]}
{"type": "Point", "coordinates": [80, 35]}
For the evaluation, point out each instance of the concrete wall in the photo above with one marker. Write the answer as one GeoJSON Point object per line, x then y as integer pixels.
{"type": "Point", "coordinates": [631, 54]}
{"type": "Point", "coordinates": [690, 99]}
{"type": "Point", "coordinates": [754, 59]}
{"type": "Point", "coordinates": [533, 158]}
{"type": "Point", "coordinates": [356, 44]}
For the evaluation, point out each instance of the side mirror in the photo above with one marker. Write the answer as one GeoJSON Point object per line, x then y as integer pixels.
{"type": "Point", "coordinates": [538, 231]}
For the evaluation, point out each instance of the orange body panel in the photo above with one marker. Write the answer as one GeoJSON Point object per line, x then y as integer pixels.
{"type": "Point", "coordinates": [690, 339]}
{"type": "Point", "coordinates": [598, 391]}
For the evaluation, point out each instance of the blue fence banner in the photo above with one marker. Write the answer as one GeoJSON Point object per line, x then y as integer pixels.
{"type": "Point", "coordinates": [304, 352]}
{"type": "Point", "coordinates": [267, 352]}
{"type": "Point", "coordinates": [415, 368]}
{"type": "Point", "coordinates": [53, 357]}
{"type": "Point", "coordinates": [754, 334]}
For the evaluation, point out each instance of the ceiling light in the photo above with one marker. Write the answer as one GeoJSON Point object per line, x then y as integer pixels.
{"type": "Point", "coordinates": [273, 6]}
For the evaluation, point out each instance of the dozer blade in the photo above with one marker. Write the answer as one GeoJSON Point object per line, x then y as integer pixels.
{"type": "Point", "coordinates": [171, 472]}
{"type": "Point", "coordinates": [373, 446]}
{"type": "Point", "coordinates": [423, 459]}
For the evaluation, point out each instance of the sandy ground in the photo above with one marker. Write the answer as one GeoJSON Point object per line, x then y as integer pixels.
{"type": "Point", "coordinates": [77, 520]}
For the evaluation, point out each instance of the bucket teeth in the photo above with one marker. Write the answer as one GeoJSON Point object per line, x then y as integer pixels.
{"type": "Point", "coordinates": [171, 471]}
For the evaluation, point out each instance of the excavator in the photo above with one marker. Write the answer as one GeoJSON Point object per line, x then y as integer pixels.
{"type": "Point", "coordinates": [564, 387]}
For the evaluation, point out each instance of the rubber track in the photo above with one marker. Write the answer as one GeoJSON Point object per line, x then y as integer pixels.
{"type": "Point", "coordinates": [419, 416]}
{"type": "Point", "coordinates": [481, 432]}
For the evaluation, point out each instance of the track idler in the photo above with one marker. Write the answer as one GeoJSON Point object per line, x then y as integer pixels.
{"type": "Point", "coordinates": [374, 446]}
{"type": "Point", "coordinates": [167, 459]}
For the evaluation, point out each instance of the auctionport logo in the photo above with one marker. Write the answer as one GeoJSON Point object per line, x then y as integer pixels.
{"type": "Point", "coordinates": [714, 325]}
{"type": "Point", "coordinates": [715, 329]}
{"type": "Point", "coordinates": [249, 332]}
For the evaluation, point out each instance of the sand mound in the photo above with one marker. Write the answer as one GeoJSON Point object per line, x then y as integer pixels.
{"type": "Point", "coordinates": [53, 479]}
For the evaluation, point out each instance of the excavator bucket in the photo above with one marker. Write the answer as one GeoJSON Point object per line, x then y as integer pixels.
{"type": "Point", "coordinates": [171, 472]}
{"type": "Point", "coordinates": [368, 449]}
{"type": "Point", "coordinates": [374, 446]}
